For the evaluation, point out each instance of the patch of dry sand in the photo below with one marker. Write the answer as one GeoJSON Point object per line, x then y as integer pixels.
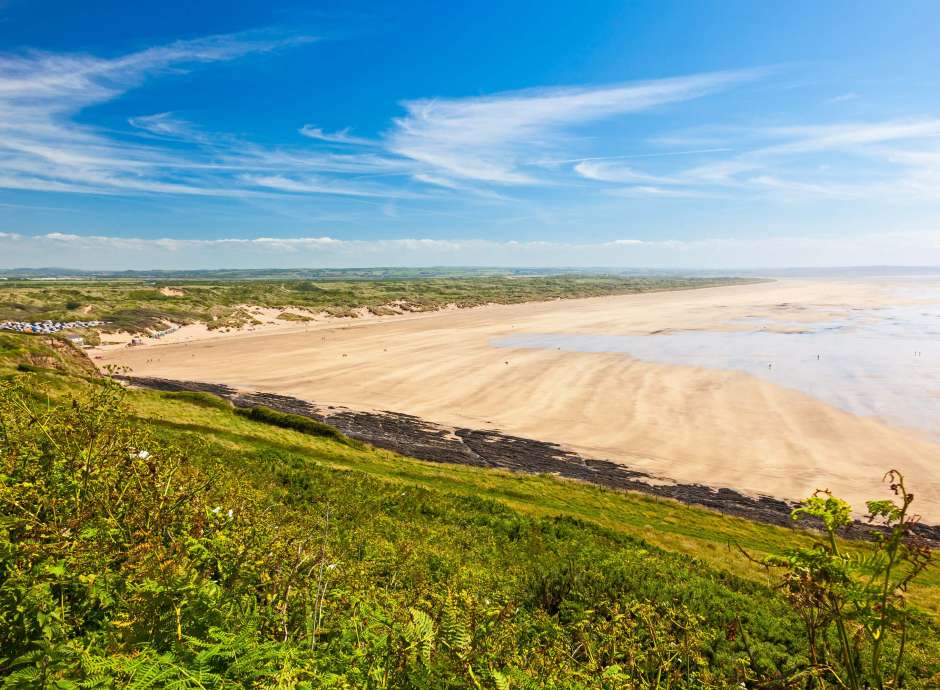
{"type": "Point", "coordinates": [721, 428]}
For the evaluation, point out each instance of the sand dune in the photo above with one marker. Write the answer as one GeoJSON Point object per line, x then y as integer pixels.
{"type": "Point", "coordinates": [690, 424]}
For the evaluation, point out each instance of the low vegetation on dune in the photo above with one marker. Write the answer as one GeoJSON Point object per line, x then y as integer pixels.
{"type": "Point", "coordinates": [138, 305]}
{"type": "Point", "coordinates": [36, 353]}
{"type": "Point", "coordinates": [169, 540]}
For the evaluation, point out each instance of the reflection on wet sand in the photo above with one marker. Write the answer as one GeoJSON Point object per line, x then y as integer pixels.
{"type": "Point", "coordinates": [876, 362]}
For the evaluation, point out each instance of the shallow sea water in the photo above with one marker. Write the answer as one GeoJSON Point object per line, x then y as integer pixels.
{"type": "Point", "coordinates": [882, 363]}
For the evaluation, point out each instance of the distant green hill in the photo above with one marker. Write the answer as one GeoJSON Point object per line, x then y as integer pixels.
{"type": "Point", "coordinates": [164, 540]}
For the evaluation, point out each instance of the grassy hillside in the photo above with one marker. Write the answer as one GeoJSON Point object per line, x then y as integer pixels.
{"type": "Point", "coordinates": [157, 540]}
{"type": "Point", "coordinates": [136, 305]}
{"type": "Point", "coordinates": [22, 353]}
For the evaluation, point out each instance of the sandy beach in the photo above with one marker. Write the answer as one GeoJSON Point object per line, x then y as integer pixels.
{"type": "Point", "coordinates": [682, 422]}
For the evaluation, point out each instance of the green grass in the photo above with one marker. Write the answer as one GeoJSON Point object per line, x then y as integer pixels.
{"type": "Point", "coordinates": [697, 532]}
{"type": "Point", "coordinates": [289, 316]}
{"type": "Point", "coordinates": [34, 353]}
{"type": "Point", "coordinates": [199, 398]}
{"type": "Point", "coordinates": [137, 305]}
{"type": "Point", "coordinates": [304, 425]}
{"type": "Point", "coordinates": [446, 576]}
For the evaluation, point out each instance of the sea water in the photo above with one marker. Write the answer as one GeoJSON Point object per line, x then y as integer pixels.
{"type": "Point", "coordinates": [882, 362]}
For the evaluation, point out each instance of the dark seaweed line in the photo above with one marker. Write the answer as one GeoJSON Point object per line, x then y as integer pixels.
{"type": "Point", "coordinates": [417, 438]}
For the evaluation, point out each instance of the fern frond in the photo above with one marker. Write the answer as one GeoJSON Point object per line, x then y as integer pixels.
{"type": "Point", "coordinates": [420, 635]}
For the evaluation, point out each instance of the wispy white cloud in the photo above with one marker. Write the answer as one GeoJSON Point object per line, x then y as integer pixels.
{"type": "Point", "coordinates": [648, 154]}
{"type": "Point", "coordinates": [461, 187]}
{"type": "Point", "coordinates": [843, 97]}
{"type": "Point", "coordinates": [436, 180]}
{"type": "Point", "coordinates": [168, 125]}
{"type": "Point", "coordinates": [341, 137]}
{"type": "Point", "coordinates": [798, 189]}
{"type": "Point", "coordinates": [492, 138]}
{"type": "Point", "coordinates": [312, 185]}
{"type": "Point", "coordinates": [606, 171]}
{"type": "Point", "coordinates": [503, 139]}
{"type": "Point", "coordinates": [851, 137]}
{"type": "Point", "coordinates": [653, 192]}
{"type": "Point", "coordinates": [836, 161]}
{"type": "Point", "coordinates": [512, 150]}
{"type": "Point", "coordinates": [43, 148]}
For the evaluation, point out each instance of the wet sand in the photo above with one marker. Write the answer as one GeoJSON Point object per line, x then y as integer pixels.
{"type": "Point", "coordinates": [688, 423]}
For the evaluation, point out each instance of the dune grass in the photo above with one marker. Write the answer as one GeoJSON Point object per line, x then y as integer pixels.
{"type": "Point", "coordinates": [137, 305]}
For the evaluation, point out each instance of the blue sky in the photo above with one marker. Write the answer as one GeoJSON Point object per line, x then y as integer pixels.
{"type": "Point", "coordinates": [276, 133]}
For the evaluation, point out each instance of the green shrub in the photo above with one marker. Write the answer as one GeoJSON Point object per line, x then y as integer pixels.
{"type": "Point", "coordinates": [200, 398]}
{"type": "Point", "coordinates": [9, 344]}
{"type": "Point", "coordinates": [296, 422]}
{"type": "Point", "coordinates": [291, 316]}
{"type": "Point", "coordinates": [149, 294]}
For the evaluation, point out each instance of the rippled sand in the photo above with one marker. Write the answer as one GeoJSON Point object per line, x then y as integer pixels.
{"type": "Point", "coordinates": [676, 384]}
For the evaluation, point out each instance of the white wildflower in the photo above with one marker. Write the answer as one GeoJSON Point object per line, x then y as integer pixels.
{"type": "Point", "coordinates": [215, 511]}
{"type": "Point", "coordinates": [143, 455]}
{"type": "Point", "coordinates": [229, 513]}
{"type": "Point", "coordinates": [331, 566]}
